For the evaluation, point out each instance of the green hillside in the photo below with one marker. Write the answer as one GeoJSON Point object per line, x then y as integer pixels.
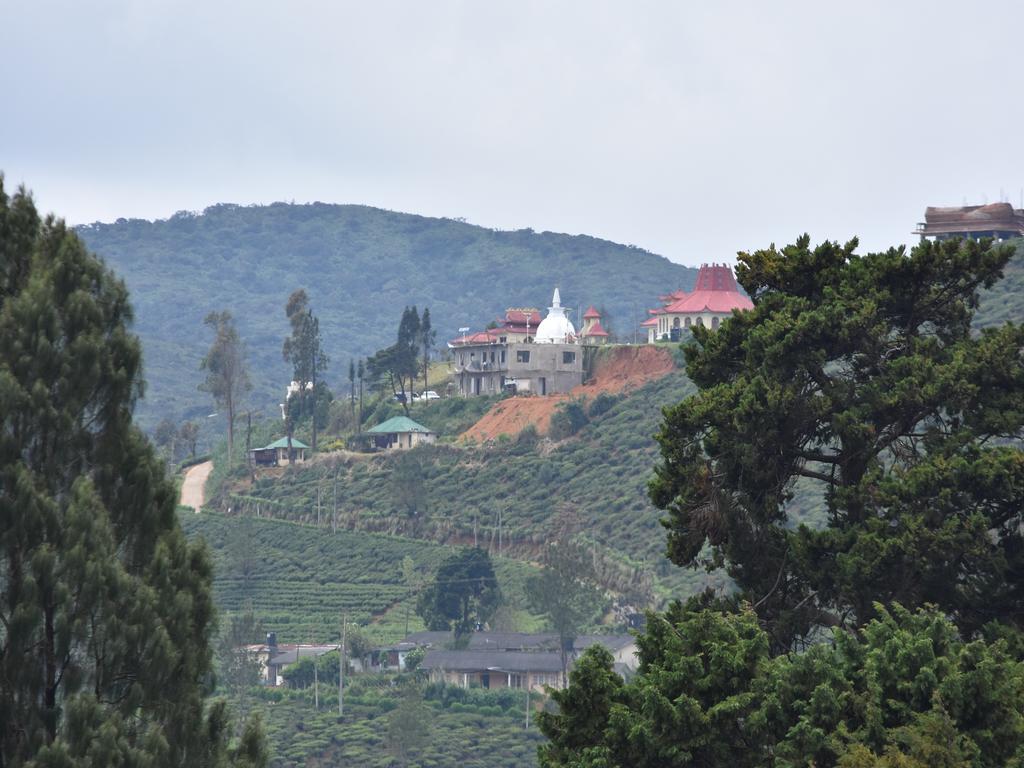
{"type": "Point", "coordinates": [300, 579]}
{"type": "Point", "coordinates": [598, 478]}
{"type": "Point", "coordinates": [360, 266]}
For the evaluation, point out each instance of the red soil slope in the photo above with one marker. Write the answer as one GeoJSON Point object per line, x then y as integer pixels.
{"type": "Point", "coordinates": [621, 369]}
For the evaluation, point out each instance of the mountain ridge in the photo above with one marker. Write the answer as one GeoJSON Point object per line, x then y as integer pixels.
{"type": "Point", "coordinates": [361, 265]}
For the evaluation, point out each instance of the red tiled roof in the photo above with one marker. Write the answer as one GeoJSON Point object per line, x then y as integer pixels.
{"type": "Point", "coordinates": [653, 322]}
{"type": "Point", "coordinates": [521, 316]}
{"type": "Point", "coordinates": [489, 336]}
{"type": "Point", "coordinates": [716, 291]}
{"type": "Point", "coordinates": [595, 330]}
{"type": "Point", "coordinates": [591, 312]}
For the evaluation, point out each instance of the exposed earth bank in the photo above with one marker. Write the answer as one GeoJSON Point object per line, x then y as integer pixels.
{"type": "Point", "coordinates": [617, 369]}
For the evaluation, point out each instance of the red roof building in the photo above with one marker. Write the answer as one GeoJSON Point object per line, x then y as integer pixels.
{"type": "Point", "coordinates": [593, 332]}
{"type": "Point", "coordinates": [519, 325]}
{"type": "Point", "coordinates": [713, 299]}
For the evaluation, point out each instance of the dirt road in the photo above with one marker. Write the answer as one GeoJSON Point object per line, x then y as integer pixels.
{"type": "Point", "coordinates": [192, 487]}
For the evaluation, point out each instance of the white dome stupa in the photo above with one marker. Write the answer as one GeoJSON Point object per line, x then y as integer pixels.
{"type": "Point", "coordinates": [556, 327]}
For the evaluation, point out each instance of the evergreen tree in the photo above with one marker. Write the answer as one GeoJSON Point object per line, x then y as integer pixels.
{"type": "Point", "coordinates": [304, 350]}
{"type": "Point", "coordinates": [904, 691]}
{"type": "Point", "coordinates": [227, 377]}
{"type": "Point", "coordinates": [859, 376]}
{"type": "Point", "coordinates": [428, 337]}
{"type": "Point", "coordinates": [106, 611]}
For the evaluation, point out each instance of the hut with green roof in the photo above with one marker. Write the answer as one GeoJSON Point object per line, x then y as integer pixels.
{"type": "Point", "coordinates": [276, 454]}
{"type": "Point", "coordinates": [399, 433]}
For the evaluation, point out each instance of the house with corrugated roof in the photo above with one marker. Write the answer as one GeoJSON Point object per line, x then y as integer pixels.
{"type": "Point", "coordinates": [502, 659]}
{"type": "Point", "coordinates": [399, 433]}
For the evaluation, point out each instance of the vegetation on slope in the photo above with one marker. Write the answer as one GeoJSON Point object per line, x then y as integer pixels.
{"type": "Point", "coordinates": [360, 266]}
{"type": "Point", "coordinates": [299, 579]}
{"type": "Point", "coordinates": [595, 481]}
{"type": "Point", "coordinates": [472, 728]}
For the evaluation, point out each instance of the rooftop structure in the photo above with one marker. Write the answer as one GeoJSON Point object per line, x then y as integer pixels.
{"type": "Point", "coordinates": [556, 328]}
{"type": "Point", "coordinates": [997, 220]}
{"type": "Point", "coordinates": [524, 353]}
{"type": "Point", "coordinates": [713, 299]}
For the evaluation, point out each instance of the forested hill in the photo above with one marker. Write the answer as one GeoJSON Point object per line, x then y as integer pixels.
{"type": "Point", "coordinates": [360, 266]}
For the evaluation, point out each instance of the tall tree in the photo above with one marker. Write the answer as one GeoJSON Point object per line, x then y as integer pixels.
{"type": "Point", "coordinates": [428, 337]}
{"type": "Point", "coordinates": [564, 593]}
{"type": "Point", "coordinates": [407, 350]}
{"type": "Point", "coordinates": [227, 377]}
{"type": "Point", "coordinates": [861, 378]}
{"type": "Point", "coordinates": [352, 386]}
{"type": "Point", "coordinates": [304, 350]}
{"type": "Point", "coordinates": [360, 371]}
{"type": "Point", "coordinates": [189, 436]}
{"type": "Point", "coordinates": [106, 611]}
{"type": "Point", "coordinates": [464, 593]}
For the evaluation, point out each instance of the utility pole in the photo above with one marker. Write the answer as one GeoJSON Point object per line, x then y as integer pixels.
{"type": "Point", "coordinates": [248, 444]}
{"type": "Point", "coordinates": [341, 669]}
{"type": "Point", "coordinates": [316, 682]}
{"type": "Point", "coordinates": [318, 504]}
{"type": "Point", "coordinates": [526, 726]}
{"type": "Point", "coordinates": [334, 515]}
{"type": "Point", "coordinates": [499, 531]}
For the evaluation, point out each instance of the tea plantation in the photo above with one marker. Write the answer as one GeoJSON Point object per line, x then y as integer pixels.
{"type": "Point", "coordinates": [300, 579]}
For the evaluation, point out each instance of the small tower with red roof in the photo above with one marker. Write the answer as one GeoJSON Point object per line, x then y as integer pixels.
{"type": "Point", "coordinates": [593, 332]}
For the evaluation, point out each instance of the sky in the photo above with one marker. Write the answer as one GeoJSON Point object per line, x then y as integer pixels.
{"type": "Point", "coordinates": [694, 130]}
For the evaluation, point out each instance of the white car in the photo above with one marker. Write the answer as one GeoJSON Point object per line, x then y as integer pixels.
{"type": "Point", "coordinates": [428, 395]}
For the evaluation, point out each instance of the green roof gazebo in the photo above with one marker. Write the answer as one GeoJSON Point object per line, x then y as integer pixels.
{"type": "Point", "coordinates": [276, 454]}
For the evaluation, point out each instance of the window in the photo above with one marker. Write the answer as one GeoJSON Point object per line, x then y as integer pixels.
{"type": "Point", "coordinates": [503, 357]}
{"type": "Point", "coordinates": [492, 355]}
{"type": "Point", "coordinates": [700, 321]}
{"type": "Point", "coordinates": [714, 323]}
{"type": "Point", "coordinates": [462, 358]}
{"type": "Point", "coordinates": [522, 356]}
{"type": "Point", "coordinates": [568, 358]}
{"type": "Point", "coordinates": [675, 322]}
{"type": "Point", "coordinates": [687, 322]}
{"type": "Point", "coordinates": [503, 340]}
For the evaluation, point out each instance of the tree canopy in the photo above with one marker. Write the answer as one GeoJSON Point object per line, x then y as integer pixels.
{"type": "Point", "coordinates": [860, 377]}
{"type": "Point", "coordinates": [464, 593]}
{"type": "Point", "coordinates": [903, 692]}
{"type": "Point", "coordinates": [106, 611]}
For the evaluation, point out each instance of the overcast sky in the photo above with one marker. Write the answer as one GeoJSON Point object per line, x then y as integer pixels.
{"type": "Point", "coordinates": [691, 129]}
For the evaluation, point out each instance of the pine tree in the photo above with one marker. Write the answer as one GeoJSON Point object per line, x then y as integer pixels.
{"type": "Point", "coordinates": [106, 611]}
{"type": "Point", "coordinates": [304, 350]}
{"type": "Point", "coordinates": [860, 378]}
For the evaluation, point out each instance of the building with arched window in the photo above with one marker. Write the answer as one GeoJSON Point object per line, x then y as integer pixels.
{"type": "Point", "coordinates": [712, 300]}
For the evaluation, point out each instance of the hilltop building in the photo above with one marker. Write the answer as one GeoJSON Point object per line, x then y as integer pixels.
{"type": "Point", "coordinates": [523, 354]}
{"type": "Point", "coordinates": [997, 220]}
{"type": "Point", "coordinates": [711, 301]}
